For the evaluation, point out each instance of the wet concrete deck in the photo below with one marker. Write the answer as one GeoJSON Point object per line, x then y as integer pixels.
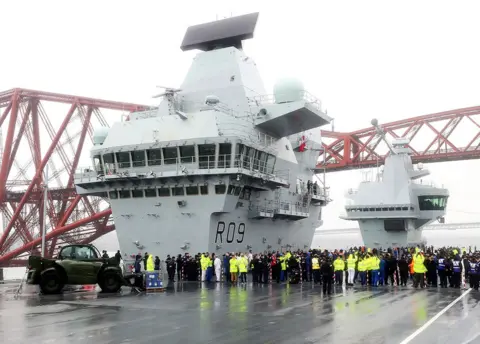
{"type": "Point", "coordinates": [190, 313]}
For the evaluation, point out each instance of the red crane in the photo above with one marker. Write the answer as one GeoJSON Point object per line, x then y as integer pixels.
{"type": "Point", "coordinates": [446, 136]}
{"type": "Point", "coordinates": [32, 140]}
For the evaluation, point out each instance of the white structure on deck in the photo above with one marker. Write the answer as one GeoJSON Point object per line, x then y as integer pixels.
{"type": "Point", "coordinates": [392, 210]}
{"type": "Point", "coordinates": [217, 166]}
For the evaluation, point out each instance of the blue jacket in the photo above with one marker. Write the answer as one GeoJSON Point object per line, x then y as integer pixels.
{"type": "Point", "coordinates": [383, 265]}
{"type": "Point", "coordinates": [308, 259]}
{"type": "Point", "coordinates": [226, 264]}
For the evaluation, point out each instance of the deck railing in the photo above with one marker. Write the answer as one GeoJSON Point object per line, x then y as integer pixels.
{"type": "Point", "coordinates": [185, 165]}
{"type": "Point", "coordinates": [303, 95]}
{"type": "Point", "coordinates": [275, 207]}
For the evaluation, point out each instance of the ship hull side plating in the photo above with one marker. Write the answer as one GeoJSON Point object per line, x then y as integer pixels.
{"type": "Point", "coordinates": [143, 226]}
{"type": "Point", "coordinates": [213, 223]}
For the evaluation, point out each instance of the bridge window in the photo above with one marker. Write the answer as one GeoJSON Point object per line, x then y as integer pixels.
{"type": "Point", "coordinates": [138, 158]}
{"type": "Point", "coordinates": [178, 191]}
{"type": "Point", "coordinates": [206, 156]}
{"type": "Point", "coordinates": [137, 193]}
{"type": "Point", "coordinates": [170, 155]}
{"type": "Point", "coordinates": [97, 164]}
{"type": "Point", "coordinates": [109, 162]}
{"type": "Point", "coordinates": [203, 189]}
{"type": "Point", "coordinates": [191, 190]}
{"type": "Point", "coordinates": [187, 154]}
{"type": "Point", "coordinates": [224, 155]}
{"type": "Point", "coordinates": [164, 192]}
{"type": "Point", "coordinates": [124, 193]}
{"type": "Point", "coordinates": [123, 159]}
{"type": "Point", "coordinates": [394, 225]}
{"type": "Point", "coordinates": [270, 163]}
{"type": "Point", "coordinates": [113, 195]}
{"type": "Point", "coordinates": [432, 202]}
{"type": "Point", "coordinates": [234, 190]}
{"type": "Point", "coordinates": [245, 193]}
{"type": "Point", "coordinates": [150, 193]}
{"type": "Point", "coordinates": [220, 189]}
{"type": "Point", "coordinates": [154, 157]}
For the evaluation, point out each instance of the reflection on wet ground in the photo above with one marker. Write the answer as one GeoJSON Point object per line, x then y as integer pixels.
{"type": "Point", "coordinates": [195, 313]}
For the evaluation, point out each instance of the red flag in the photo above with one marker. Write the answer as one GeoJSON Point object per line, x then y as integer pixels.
{"type": "Point", "coordinates": [303, 143]}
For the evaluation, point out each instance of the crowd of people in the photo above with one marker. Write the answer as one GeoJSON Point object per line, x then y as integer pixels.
{"type": "Point", "coordinates": [426, 266]}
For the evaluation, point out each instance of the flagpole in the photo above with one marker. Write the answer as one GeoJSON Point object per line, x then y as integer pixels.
{"type": "Point", "coordinates": [45, 199]}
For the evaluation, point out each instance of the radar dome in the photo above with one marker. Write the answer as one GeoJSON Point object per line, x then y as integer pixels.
{"type": "Point", "coordinates": [99, 135]}
{"type": "Point", "coordinates": [288, 90]}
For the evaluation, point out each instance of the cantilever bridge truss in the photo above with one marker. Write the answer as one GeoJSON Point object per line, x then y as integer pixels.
{"type": "Point", "coordinates": [446, 136]}
{"type": "Point", "coordinates": [41, 128]}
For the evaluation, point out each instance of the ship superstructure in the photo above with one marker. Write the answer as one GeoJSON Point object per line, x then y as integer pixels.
{"type": "Point", "coordinates": [392, 210]}
{"type": "Point", "coordinates": [218, 166]}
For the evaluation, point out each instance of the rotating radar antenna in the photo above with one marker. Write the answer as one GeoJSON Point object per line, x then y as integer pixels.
{"type": "Point", "coordinates": [169, 95]}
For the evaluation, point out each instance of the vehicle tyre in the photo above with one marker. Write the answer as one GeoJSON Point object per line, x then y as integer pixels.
{"type": "Point", "coordinates": [110, 282]}
{"type": "Point", "coordinates": [51, 283]}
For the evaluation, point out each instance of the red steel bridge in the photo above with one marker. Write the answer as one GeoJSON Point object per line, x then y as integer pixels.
{"type": "Point", "coordinates": [41, 128]}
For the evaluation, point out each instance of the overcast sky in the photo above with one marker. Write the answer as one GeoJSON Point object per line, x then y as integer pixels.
{"type": "Point", "coordinates": [364, 59]}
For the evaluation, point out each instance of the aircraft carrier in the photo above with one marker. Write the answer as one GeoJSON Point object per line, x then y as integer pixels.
{"type": "Point", "coordinates": [219, 165]}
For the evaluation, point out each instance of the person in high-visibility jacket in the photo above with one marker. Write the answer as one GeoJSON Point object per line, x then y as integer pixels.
{"type": "Point", "coordinates": [338, 267]}
{"type": "Point", "coordinates": [243, 268]}
{"type": "Point", "coordinates": [316, 269]}
{"type": "Point", "coordinates": [362, 270]}
{"type": "Point", "coordinates": [419, 270]}
{"type": "Point", "coordinates": [375, 265]}
{"type": "Point", "coordinates": [209, 274]}
{"type": "Point", "coordinates": [351, 261]}
{"type": "Point", "coordinates": [150, 263]}
{"type": "Point", "coordinates": [203, 266]}
{"type": "Point", "coordinates": [233, 264]}
{"type": "Point", "coordinates": [368, 268]}
{"type": "Point", "coordinates": [283, 264]}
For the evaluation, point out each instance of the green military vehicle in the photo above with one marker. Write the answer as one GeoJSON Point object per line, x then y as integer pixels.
{"type": "Point", "coordinates": [76, 264]}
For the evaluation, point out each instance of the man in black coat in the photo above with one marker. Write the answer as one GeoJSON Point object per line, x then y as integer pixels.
{"type": "Point", "coordinates": [326, 271]}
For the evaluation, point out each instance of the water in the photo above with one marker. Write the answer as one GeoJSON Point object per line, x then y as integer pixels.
{"type": "Point", "coordinates": [437, 238]}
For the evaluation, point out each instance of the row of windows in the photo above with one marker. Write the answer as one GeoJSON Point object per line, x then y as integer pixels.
{"type": "Point", "coordinates": [353, 210]}
{"type": "Point", "coordinates": [432, 202]}
{"type": "Point", "coordinates": [252, 158]}
{"type": "Point", "coordinates": [191, 190]}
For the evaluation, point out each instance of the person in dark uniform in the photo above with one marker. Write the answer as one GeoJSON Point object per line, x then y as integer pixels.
{"type": "Point", "coordinates": [266, 260]}
{"type": "Point", "coordinates": [170, 268]}
{"type": "Point", "coordinates": [403, 267]}
{"type": "Point", "coordinates": [255, 267]}
{"type": "Point", "coordinates": [157, 263]}
{"type": "Point", "coordinates": [474, 270]}
{"type": "Point", "coordinates": [179, 267]}
{"type": "Point", "coordinates": [145, 257]}
{"type": "Point", "coordinates": [441, 267]}
{"type": "Point", "coordinates": [456, 272]}
{"type": "Point", "coordinates": [105, 254]}
{"type": "Point", "coordinates": [431, 265]}
{"type": "Point", "coordinates": [326, 270]}
{"type": "Point", "coordinates": [118, 256]}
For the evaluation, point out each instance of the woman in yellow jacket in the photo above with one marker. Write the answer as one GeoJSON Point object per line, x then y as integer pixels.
{"type": "Point", "coordinates": [243, 268]}
{"type": "Point", "coordinates": [234, 269]}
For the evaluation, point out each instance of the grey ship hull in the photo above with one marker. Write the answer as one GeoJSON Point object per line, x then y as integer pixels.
{"type": "Point", "coordinates": [144, 225]}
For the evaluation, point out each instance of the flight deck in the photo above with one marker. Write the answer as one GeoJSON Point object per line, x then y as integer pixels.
{"type": "Point", "coordinates": [216, 313]}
